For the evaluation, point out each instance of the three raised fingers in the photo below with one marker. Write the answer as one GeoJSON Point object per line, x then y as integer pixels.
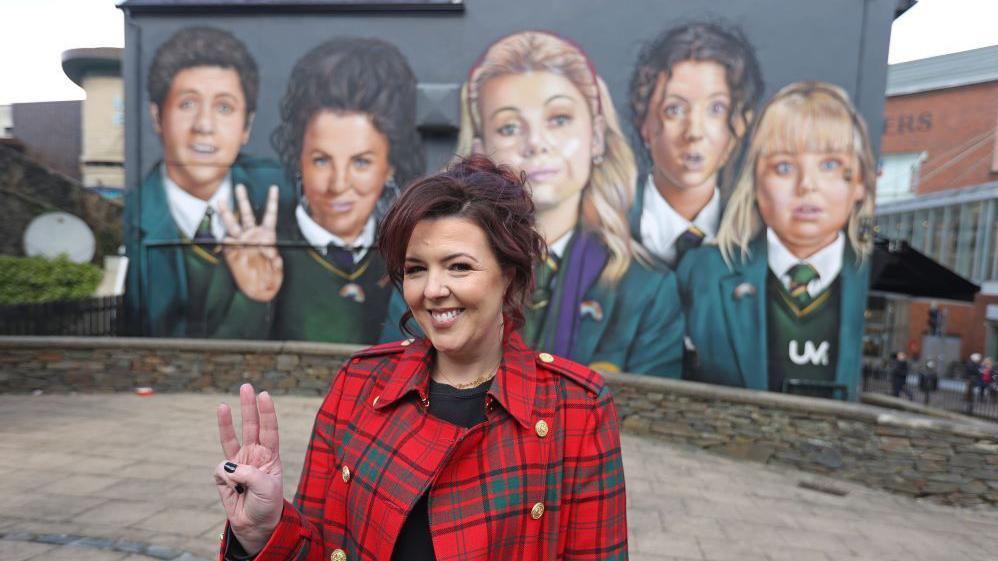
{"type": "Point", "coordinates": [250, 415]}
{"type": "Point", "coordinates": [268, 422]}
{"type": "Point", "coordinates": [227, 432]}
{"type": "Point", "coordinates": [270, 212]}
{"type": "Point", "coordinates": [232, 227]}
{"type": "Point", "coordinates": [245, 210]}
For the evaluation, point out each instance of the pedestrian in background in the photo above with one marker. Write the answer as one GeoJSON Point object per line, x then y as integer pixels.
{"type": "Point", "coordinates": [985, 378]}
{"type": "Point", "coordinates": [899, 375]}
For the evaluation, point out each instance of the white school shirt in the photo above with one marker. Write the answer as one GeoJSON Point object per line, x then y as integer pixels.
{"type": "Point", "coordinates": [188, 210]}
{"type": "Point", "coordinates": [661, 225]}
{"type": "Point", "coordinates": [319, 237]}
{"type": "Point", "coordinates": [827, 261]}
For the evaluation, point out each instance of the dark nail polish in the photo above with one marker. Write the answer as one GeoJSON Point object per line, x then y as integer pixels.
{"type": "Point", "coordinates": [240, 488]}
{"type": "Point", "coordinates": [230, 467]}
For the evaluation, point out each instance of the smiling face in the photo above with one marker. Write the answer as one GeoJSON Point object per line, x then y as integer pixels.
{"type": "Point", "coordinates": [344, 167]}
{"type": "Point", "coordinates": [807, 198]}
{"type": "Point", "coordinates": [454, 286]}
{"type": "Point", "coordinates": [202, 124]}
{"type": "Point", "coordinates": [539, 123]}
{"type": "Point", "coordinates": [686, 128]}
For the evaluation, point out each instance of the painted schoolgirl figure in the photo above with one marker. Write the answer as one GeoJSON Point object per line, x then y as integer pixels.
{"type": "Point", "coordinates": [200, 230]}
{"type": "Point", "coordinates": [534, 102]}
{"type": "Point", "coordinates": [693, 91]}
{"type": "Point", "coordinates": [778, 303]}
{"type": "Point", "coordinates": [348, 135]}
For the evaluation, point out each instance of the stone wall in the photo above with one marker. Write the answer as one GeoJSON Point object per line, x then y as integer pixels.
{"type": "Point", "coordinates": [947, 460]}
{"type": "Point", "coordinates": [103, 364]}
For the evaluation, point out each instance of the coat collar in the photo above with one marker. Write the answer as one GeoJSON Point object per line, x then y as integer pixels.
{"type": "Point", "coordinates": [513, 386]}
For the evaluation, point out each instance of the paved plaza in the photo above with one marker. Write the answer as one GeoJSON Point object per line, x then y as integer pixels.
{"type": "Point", "coordinates": [118, 477]}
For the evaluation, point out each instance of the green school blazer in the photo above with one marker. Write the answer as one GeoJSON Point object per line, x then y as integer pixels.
{"type": "Point", "coordinates": [725, 311]}
{"type": "Point", "coordinates": [157, 291]}
{"type": "Point", "coordinates": [635, 326]}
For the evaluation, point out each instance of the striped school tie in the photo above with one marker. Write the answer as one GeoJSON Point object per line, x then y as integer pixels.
{"type": "Point", "coordinates": [690, 239]}
{"type": "Point", "coordinates": [801, 275]}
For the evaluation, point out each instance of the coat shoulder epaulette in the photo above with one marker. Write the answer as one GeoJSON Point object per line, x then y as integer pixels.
{"type": "Point", "coordinates": [589, 379]}
{"type": "Point", "coordinates": [383, 349]}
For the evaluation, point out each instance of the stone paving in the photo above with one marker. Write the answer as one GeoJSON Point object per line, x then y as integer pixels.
{"type": "Point", "coordinates": [117, 477]}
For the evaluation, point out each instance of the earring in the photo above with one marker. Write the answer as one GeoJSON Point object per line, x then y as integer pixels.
{"type": "Point", "coordinates": [388, 196]}
{"type": "Point", "coordinates": [597, 160]}
{"type": "Point", "coordinates": [866, 229]}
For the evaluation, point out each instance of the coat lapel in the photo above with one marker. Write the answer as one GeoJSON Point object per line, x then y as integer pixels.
{"type": "Point", "coordinates": [586, 259]}
{"type": "Point", "coordinates": [162, 266]}
{"type": "Point", "coordinates": [855, 280]}
{"type": "Point", "coordinates": [745, 314]}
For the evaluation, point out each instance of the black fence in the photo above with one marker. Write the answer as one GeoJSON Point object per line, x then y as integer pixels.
{"type": "Point", "coordinates": [90, 317]}
{"type": "Point", "coordinates": [951, 394]}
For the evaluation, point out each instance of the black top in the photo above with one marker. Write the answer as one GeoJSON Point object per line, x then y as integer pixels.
{"type": "Point", "coordinates": [464, 408]}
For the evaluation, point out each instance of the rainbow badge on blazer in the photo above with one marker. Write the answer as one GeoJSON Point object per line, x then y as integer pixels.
{"type": "Point", "coordinates": [591, 309]}
{"type": "Point", "coordinates": [743, 290]}
{"type": "Point", "coordinates": [353, 291]}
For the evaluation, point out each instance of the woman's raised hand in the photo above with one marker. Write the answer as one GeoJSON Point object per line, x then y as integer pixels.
{"type": "Point", "coordinates": [250, 481]}
{"type": "Point", "coordinates": [250, 248]}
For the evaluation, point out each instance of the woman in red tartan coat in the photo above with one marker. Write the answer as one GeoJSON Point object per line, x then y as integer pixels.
{"type": "Point", "coordinates": [463, 445]}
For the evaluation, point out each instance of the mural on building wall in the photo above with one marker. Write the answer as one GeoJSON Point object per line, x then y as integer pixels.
{"type": "Point", "coordinates": [726, 246]}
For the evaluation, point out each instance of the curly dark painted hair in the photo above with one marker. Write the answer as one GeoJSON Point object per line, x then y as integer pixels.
{"type": "Point", "coordinates": [492, 196]}
{"type": "Point", "coordinates": [353, 75]}
{"type": "Point", "coordinates": [700, 41]}
{"type": "Point", "coordinates": [202, 46]}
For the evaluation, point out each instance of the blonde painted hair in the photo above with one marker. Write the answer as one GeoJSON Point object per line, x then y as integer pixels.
{"type": "Point", "coordinates": [609, 191]}
{"type": "Point", "coordinates": [801, 117]}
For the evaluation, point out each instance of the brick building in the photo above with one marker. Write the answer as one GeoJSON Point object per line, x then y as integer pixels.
{"type": "Point", "coordinates": [938, 190]}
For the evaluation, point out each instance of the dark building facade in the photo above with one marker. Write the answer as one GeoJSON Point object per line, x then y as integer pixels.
{"type": "Point", "coordinates": [51, 134]}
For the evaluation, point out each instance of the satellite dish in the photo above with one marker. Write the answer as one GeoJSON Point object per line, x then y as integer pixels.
{"type": "Point", "coordinates": [56, 233]}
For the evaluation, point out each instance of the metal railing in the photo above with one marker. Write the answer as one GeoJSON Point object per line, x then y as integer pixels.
{"type": "Point", "coordinates": [90, 317]}
{"type": "Point", "coordinates": [951, 394]}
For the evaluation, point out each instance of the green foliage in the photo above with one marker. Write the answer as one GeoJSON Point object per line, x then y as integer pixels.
{"type": "Point", "coordinates": [26, 280]}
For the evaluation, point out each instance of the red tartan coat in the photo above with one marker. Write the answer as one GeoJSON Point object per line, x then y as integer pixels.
{"type": "Point", "coordinates": [540, 479]}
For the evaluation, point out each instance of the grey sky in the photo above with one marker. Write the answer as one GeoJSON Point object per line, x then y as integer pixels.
{"type": "Point", "coordinates": [36, 32]}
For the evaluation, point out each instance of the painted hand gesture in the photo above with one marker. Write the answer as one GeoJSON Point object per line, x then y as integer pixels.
{"type": "Point", "coordinates": [250, 250]}
{"type": "Point", "coordinates": [249, 480]}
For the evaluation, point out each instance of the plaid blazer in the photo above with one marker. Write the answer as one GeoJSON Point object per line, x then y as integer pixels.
{"type": "Point", "coordinates": [540, 479]}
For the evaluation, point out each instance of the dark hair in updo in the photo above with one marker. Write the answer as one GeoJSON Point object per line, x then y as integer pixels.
{"type": "Point", "coordinates": [699, 41]}
{"type": "Point", "coordinates": [493, 197]}
{"type": "Point", "coordinates": [353, 75]}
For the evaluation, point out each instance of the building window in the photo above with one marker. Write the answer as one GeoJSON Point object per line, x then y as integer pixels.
{"type": "Point", "coordinates": [898, 178]}
{"type": "Point", "coordinates": [966, 245]}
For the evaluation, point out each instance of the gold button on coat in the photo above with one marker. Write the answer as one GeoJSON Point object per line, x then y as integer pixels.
{"type": "Point", "coordinates": [537, 511]}
{"type": "Point", "coordinates": [542, 428]}
{"type": "Point", "coordinates": [545, 357]}
{"type": "Point", "coordinates": [407, 342]}
{"type": "Point", "coordinates": [338, 555]}
{"type": "Point", "coordinates": [376, 398]}
{"type": "Point", "coordinates": [346, 474]}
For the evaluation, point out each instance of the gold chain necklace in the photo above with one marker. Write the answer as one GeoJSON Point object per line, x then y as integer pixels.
{"type": "Point", "coordinates": [474, 383]}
